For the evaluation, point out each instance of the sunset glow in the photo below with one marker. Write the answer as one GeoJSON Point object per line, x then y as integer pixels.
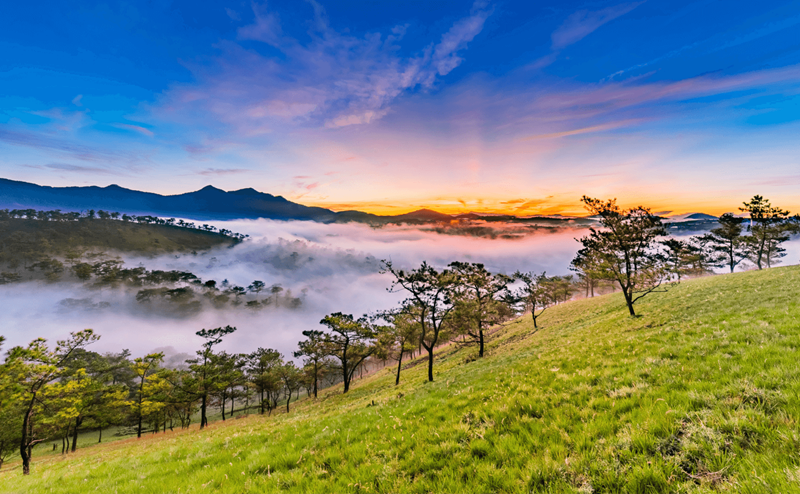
{"type": "Point", "coordinates": [515, 108]}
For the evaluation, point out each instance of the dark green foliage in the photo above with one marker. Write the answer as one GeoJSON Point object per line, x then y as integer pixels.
{"type": "Point", "coordinates": [769, 227]}
{"type": "Point", "coordinates": [624, 249]}
{"type": "Point", "coordinates": [29, 235]}
{"type": "Point", "coordinates": [726, 245]}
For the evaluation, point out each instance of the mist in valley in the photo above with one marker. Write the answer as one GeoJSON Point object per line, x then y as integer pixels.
{"type": "Point", "coordinates": [317, 269]}
{"type": "Point", "coordinates": [324, 267]}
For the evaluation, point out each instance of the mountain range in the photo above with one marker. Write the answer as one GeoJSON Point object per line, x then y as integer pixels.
{"type": "Point", "coordinates": [208, 203]}
{"type": "Point", "coordinates": [211, 203]}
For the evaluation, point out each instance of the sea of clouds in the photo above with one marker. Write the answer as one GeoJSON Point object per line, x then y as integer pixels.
{"type": "Point", "coordinates": [330, 268]}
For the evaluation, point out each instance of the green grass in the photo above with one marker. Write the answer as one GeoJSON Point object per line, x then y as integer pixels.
{"type": "Point", "coordinates": [699, 394]}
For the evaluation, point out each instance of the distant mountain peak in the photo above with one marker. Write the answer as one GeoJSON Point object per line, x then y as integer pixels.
{"type": "Point", "coordinates": [207, 203]}
{"type": "Point", "coordinates": [210, 188]}
{"type": "Point", "coordinates": [249, 191]}
{"type": "Point", "coordinates": [701, 216]}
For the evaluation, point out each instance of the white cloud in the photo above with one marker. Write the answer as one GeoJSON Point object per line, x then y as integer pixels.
{"type": "Point", "coordinates": [333, 80]}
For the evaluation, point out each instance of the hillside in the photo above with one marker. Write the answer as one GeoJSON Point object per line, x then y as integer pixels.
{"type": "Point", "coordinates": [699, 394]}
{"type": "Point", "coordinates": [29, 238]}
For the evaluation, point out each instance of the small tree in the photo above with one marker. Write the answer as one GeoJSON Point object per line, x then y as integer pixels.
{"type": "Point", "coordinates": [536, 294]}
{"type": "Point", "coordinates": [205, 375]}
{"type": "Point", "coordinates": [315, 351]}
{"type": "Point", "coordinates": [350, 341]}
{"type": "Point", "coordinates": [230, 375]}
{"type": "Point", "coordinates": [726, 246]}
{"type": "Point", "coordinates": [563, 287]}
{"type": "Point", "coordinates": [11, 407]}
{"type": "Point", "coordinates": [38, 365]}
{"type": "Point", "coordinates": [289, 375]}
{"type": "Point", "coordinates": [400, 336]}
{"type": "Point", "coordinates": [769, 227]}
{"type": "Point", "coordinates": [624, 248]}
{"type": "Point", "coordinates": [144, 367]}
{"type": "Point", "coordinates": [256, 287]}
{"type": "Point", "coordinates": [430, 291]}
{"type": "Point", "coordinates": [261, 366]}
{"type": "Point", "coordinates": [478, 296]}
{"type": "Point", "coordinates": [683, 258]}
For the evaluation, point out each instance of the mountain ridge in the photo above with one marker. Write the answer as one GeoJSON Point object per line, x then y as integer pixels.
{"type": "Point", "coordinates": [212, 203]}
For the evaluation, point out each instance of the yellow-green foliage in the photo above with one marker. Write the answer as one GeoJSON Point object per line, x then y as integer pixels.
{"type": "Point", "coordinates": [699, 394]}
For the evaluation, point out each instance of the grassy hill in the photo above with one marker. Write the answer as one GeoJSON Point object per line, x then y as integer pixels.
{"type": "Point", "coordinates": [700, 394]}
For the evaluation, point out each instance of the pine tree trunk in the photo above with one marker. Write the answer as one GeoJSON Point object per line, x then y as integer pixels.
{"type": "Point", "coordinates": [399, 364]}
{"type": "Point", "coordinates": [629, 302]}
{"type": "Point", "coordinates": [203, 419]}
{"type": "Point", "coordinates": [430, 364]}
{"type": "Point", "coordinates": [24, 451]}
{"type": "Point", "coordinates": [316, 372]}
{"type": "Point", "coordinates": [75, 434]}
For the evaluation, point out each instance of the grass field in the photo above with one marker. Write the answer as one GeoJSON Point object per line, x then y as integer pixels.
{"type": "Point", "coordinates": [699, 394]}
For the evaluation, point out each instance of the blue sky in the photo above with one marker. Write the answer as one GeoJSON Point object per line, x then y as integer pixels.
{"type": "Point", "coordinates": [391, 106]}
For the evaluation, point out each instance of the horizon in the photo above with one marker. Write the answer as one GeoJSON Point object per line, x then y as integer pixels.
{"type": "Point", "coordinates": [380, 212]}
{"type": "Point", "coordinates": [491, 107]}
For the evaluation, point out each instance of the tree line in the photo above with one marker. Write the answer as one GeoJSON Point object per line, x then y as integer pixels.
{"type": "Point", "coordinates": [52, 393]}
{"type": "Point", "coordinates": [58, 216]}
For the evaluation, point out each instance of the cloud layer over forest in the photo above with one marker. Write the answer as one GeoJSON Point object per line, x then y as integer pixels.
{"type": "Point", "coordinates": [328, 267]}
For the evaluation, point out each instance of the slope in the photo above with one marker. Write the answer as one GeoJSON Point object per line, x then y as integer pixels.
{"type": "Point", "coordinates": [31, 238]}
{"type": "Point", "coordinates": [699, 394]}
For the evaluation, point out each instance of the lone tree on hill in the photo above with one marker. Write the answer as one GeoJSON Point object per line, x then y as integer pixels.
{"type": "Point", "coordinates": [350, 341]}
{"type": "Point", "coordinates": [624, 248]}
{"type": "Point", "coordinates": [770, 226]}
{"type": "Point", "coordinates": [726, 244]}
{"type": "Point", "coordinates": [431, 292]}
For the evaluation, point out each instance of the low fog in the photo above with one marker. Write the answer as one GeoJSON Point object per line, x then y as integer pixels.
{"type": "Point", "coordinates": [328, 267]}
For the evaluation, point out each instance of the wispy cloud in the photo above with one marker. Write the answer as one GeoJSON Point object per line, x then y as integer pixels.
{"type": "Point", "coordinates": [583, 22]}
{"type": "Point", "coordinates": [584, 130]}
{"type": "Point", "coordinates": [715, 43]}
{"type": "Point", "coordinates": [221, 171]}
{"type": "Point", "coordinates": [135, 128]}
{"type": "Point", "coordinates": [40, 141]}
{"type": "Point", "coordinates": [333, 80]}
{"type": "Point", "coordinates": [574, 109]}
{"type": "Point", "coordinates": [579, 25]}
{"type": "Point", "coordinates": [67, 167]}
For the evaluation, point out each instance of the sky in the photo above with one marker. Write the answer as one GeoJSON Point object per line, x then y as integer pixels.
{"type": "Point", "coordinates": [493, 106]}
